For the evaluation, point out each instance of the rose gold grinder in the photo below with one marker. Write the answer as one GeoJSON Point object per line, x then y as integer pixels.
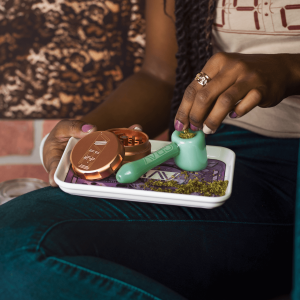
{"type": "Point", "coordinates": [136, 143]}
{"type": "Point", "coordinates": [101, 153]}
{"type": "Point", "coordinates": [97, 155]}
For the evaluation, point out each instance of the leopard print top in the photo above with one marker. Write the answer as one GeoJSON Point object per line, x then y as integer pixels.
{"type": "Point", "coordinates": [61, 58]}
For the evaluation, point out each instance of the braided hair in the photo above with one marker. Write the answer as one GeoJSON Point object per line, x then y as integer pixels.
{"type": "Point", "coordinates": [194, 20]}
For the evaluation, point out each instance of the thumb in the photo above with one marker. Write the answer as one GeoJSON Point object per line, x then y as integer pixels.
{"type": "Point", "coordinates": [73, 128]}
{"type": "Point", "coordinates": [58, 139]}
{"type": "Point", "coordinates": [137, 127]}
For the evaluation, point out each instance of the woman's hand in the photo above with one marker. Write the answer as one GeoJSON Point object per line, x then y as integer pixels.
{"type": "Point", "coordinates": [58, 139]}
{"type": "Point", "coordinates": [256, 79]}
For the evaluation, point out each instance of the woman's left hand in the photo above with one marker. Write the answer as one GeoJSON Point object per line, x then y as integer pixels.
{"type": "Point", "coordinates": [261, 80]}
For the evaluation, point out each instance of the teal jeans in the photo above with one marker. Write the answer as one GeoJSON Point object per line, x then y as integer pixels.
{"type": "Point", "coordinates": [296, 281]}
{"type": "Point", "coordinates": [57, 246]}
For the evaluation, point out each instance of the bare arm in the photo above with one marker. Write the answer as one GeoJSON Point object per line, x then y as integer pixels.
{"type": "Point", "coordinates": [145, 97]}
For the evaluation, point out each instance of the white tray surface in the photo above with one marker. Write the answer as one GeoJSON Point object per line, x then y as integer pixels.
{"type": "Point", "coordinates": [213, 152]}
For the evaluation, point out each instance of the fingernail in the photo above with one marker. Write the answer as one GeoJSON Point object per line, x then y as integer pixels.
{"type": "Point", "coordinates": [207, 130]}
{"type": "Point", "coordinates": [233, 115]}
{"type": "Point", "coordinates": [194, 128]}
{"type": "Point", "coordinates": [87, 128]}
{"type": "Point", "coordinates": [178, 125]}
{"type": "Point", "coordinates": [137, 128]}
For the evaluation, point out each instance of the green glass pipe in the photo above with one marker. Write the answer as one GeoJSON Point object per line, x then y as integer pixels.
{"type": "Point", "coordinates": [189, 155]}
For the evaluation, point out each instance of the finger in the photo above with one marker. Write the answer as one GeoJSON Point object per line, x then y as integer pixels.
{"type": "Point", "coordinates": [58, 138]}
{"type": "Point", "coordinates": [225, 103]}
{"type": "Point", "coordinates": [73, 128]}
{"type": "Point", "coordinates": [52, 164]}
{"type": "Point", "coordinates": [181, 121]}
{"type": "Point", "coordinates": [207, 96]}
{"type": "Point", "coordinates": [182, 118]}
{"type": "Point", "coordinates": [250, 101]}
{"type": "Point", "coordinates": [51, 174]}
{"type": "Point", "coordinates": [137, 127]}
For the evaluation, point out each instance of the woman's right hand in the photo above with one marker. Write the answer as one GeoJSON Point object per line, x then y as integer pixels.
{"type": "Point", "coordinates": [57, 141]}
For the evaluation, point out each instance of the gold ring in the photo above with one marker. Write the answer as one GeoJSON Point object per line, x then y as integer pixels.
{"type": "Point", "coordinates": [202, 78]}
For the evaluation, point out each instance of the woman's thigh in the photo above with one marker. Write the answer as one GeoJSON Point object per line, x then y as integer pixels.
{"type": "Point", "coordinates": [244, 245]}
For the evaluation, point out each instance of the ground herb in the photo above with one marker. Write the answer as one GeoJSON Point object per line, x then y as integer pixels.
{"type": "Point", "coordinates": [217, 188]}
{"type": "Point", "coordinates": [186, 134]}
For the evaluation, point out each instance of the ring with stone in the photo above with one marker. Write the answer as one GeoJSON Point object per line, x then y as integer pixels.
{"type": "Point", "coordinates": [202, 78]}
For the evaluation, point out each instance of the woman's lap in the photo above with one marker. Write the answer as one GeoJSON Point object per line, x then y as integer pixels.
{"type": "Point", "coordinates": [238, 249]}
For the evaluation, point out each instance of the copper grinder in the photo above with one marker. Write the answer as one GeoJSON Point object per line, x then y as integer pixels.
{"type": "Point", "coordinates": [136, 143]}
{"type": "Point", "coordinates": [101, 153]}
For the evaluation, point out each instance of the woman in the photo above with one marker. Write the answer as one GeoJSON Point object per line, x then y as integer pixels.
{"type": "Point", "coordinates": [75, 247]}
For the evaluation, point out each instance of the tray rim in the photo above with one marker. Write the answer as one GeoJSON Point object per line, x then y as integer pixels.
{"type": "Point", "coordinates": [154, 197]}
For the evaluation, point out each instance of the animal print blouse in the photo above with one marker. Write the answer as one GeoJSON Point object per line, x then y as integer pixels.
{"type": "Point", "coordinates": [61, 58]}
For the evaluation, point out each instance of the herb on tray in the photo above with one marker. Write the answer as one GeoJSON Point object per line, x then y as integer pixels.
{"type": "Point", "coordinates": [217, 188]}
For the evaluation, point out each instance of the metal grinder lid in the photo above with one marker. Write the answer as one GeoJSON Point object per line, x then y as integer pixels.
{"type": "Point", "coordinates": [97, 155]}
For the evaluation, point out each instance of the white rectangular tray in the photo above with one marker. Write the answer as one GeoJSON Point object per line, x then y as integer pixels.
{"type": "Point", "coordinates": [213, 152]}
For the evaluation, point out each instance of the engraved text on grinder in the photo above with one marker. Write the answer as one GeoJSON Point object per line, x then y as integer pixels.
{"type": "Point", "coordinates": [89, 157]}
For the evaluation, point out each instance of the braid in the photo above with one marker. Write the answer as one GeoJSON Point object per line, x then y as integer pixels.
{"type": "Point", "coordinates": [194, 19]}
{"type": "Point", "coordinates": [208, 26]}
{"type": "Point", "coordinates": [183, 72]}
